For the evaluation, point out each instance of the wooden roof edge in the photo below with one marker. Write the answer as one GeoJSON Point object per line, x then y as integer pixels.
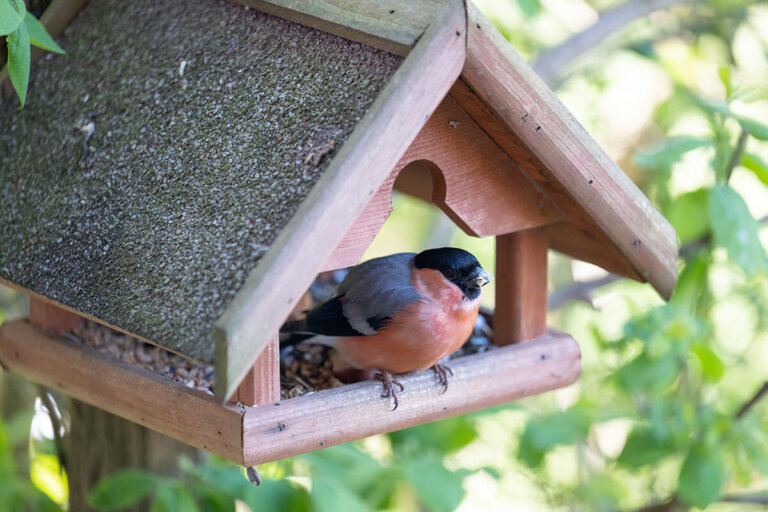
{"type": "Point", "coordinates": [394, 26]}
{"type": "Point", "coordinates": [530, 109]}
{"type": "Point", "coordinates": [352, 178]}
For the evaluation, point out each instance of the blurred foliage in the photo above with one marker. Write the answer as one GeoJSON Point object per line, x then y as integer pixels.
{"type": "Point", "coordinates": [663, 417]}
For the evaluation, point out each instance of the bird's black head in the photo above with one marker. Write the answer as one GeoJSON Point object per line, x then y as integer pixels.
{"type": "Point", "coordinates": [458, 266]}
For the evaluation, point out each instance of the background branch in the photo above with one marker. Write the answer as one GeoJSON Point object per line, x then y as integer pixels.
{"type": "Point", "coordinates": [744, 409]}
{"type": "Point", "coordinates": [583, 290]}
{"type": "Point", "coordinates": [550, 62]}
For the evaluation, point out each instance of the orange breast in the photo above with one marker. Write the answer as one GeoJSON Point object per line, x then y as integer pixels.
{"type": "Point", "coordinates": [419, 335]}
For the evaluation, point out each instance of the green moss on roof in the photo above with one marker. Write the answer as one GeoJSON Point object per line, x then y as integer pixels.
{"type": "Point", "coordinates": [187, 179]}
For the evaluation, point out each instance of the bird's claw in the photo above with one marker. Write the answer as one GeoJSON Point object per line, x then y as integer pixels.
{"type": "Point", "coordinates": [441, 374]}
{"type": "Point", "coordinates": [389, 386]}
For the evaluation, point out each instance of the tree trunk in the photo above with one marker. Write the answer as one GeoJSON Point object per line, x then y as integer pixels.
{"type": "Point", "coordinates": [101, 443]}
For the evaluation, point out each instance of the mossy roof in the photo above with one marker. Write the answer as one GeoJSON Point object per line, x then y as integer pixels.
{"type": "Point", "coordinates": [211, 123]}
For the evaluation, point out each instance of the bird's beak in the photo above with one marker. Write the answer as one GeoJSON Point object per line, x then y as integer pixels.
{"type": "Point", "coordinates": [479, 278]}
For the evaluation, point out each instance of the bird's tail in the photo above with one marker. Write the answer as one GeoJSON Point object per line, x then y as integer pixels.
{"type": "Point", "coordinates": [294, 332]}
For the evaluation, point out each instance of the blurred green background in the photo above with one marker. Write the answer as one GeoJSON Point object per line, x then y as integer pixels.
{"type": "Point", "coordinates": [668, 413]}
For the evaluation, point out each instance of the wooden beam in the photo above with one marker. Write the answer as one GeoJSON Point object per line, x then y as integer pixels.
{"type": "Point", "coordinates": [521, 286]}
{"type": "Point", "coordinates": [355, 411]}
{"type": "Point", "coordinates": [588, 245]}
{"type": "Point", "coordinates": [593, 244]}
{"type": "Point", "coordinates": [393, 26]}
{"type": "Point", "coordinates": [528, 108]}
{"type": "Point", "coordinates": [471, 179]}
{"type": "Point", "coordinates": [53, 319]}
{"type": "Point", "coordinates": [261, 385]}
{"type": "Point", "coordinates": [352, 178]}
{"type": "Point", "coordinates": [133, 393]}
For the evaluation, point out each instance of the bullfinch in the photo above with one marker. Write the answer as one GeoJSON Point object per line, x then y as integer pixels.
{"type": "Point", "coordinates": [398, 314]}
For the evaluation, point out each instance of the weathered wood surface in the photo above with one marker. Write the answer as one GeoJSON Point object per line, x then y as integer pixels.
{"type": "Point", "coordinates": [132, 393]}
{"type": "Point", "coordinates": [340, 415]}
{"type": "Point", "coordinates": [262, 383]}
{"type": "Point", "coordinates": [394, 25]}
{"type": "Point", "coordinates": [577, 223]}
{"type": "Point", "coordinates": [471, 179]}
{"type": "Point", "coordinates": [354, 175]}
{"type": "Point", "coordinates": [521, 286]}
{"type": "Point", "coordinates": [53, 319]}
{"type": "Point", "coordinates": [528, 108]}
{"type": "Point", "coordinates": [101, 444]}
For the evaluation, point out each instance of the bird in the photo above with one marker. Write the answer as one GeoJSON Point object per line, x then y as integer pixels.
{"type": "Point", "coordinates": [398, 314]}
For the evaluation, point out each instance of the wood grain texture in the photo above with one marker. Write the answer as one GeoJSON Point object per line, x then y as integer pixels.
{"type": "Point", "coordinates": [352, 178]}
{"type": "Point", "coordinates": [600, 249]}
{"type": "Point", "coordinates": [521, 286]}
{"type": "Point", "coordinates": [340, 415]}
{"type": "Point", "coordinates": [527, 107]}
{"type": "Point", "coordinates": [474, 181]}
{"type": "Point", "coordinates": [132, 393]}
{"type": "Point", "coordinates": [261, 385]}
{"type": "Point", "coordinates": [469, 177]}
{"type": "Point", "coordinates": [55, 19]}
{"type": "Point", "coordinates": [394, 25]}
{"type": "Point", "coordinates": [589, 245]}
{"type": "Point", "coordinates": [53, 319]}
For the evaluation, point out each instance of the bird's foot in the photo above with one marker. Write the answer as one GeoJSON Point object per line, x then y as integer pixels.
{"type": "Point", "coordinates": [389, 384]}
{"type": "Point", "coordinates": [441, 374]}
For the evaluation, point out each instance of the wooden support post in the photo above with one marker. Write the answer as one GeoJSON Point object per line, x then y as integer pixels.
{"type": "Point", "coordinates": [262, 384]}
{"type": "Point", "coordinates": [52, 318]}
{"type": "Point", "coordinates": [521, 286]}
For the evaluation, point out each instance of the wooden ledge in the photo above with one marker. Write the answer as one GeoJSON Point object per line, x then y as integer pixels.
{"type": "Point", "coordinates": [131, 392]}
{"type": "Point", "coordinates": [255, 435]}
{"type": "Point", "coordinates": [314, 421]}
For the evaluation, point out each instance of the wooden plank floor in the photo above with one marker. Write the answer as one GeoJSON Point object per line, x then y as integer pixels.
{"type": "Point", "coordinates": [255, 435]}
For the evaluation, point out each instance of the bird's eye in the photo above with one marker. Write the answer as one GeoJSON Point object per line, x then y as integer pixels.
{"type": "Point", "coordinates": [451, 274]}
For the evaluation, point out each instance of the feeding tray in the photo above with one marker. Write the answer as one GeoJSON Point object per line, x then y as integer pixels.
{"type": "Point", "coordinates": [197, 176]}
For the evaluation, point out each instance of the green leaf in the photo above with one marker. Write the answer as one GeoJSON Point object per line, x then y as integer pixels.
{"type": "Point", "coordinates": [669, 151]}
{"type": "Point", "coordinates": [7, 465]}
{"type": "Point", "coordinates": [712, 366]}
{"type": "Point", "coordinates": [227, 479]}
{"type": "Point", "coordinates": [736, 230]}
{"type": "Point", "coordinates": [122, 489]}
{"type": "Point", "coordinates": [757, 165]}
{"type": "Point", "coordinates": [173, 498]}
{"type": "Point", "coordinates": [330, 495]}
{"type": "Point", "coordinates": [692, 282]}
{"type": "Point", "coordinates": [725, 76]}
{"type": "Point", "coordinates": [701, 477]}
{"type": "Point", "coordinates": [279, 495]}
{"type": "Point", "coordinates": [12, 12]}
{"type": "Point", "coordinates": [530, 8]}
{"type": "Point", "coordinates": [437, 487]}
{"type": "Point", "coordinates": [755, 129]}
{"type": "Point", "coordinates": [545, 432]}
{"type": "Point", "coordinates": [18, 60]}
{"type": "Point", "coordinates": [646, 374]}
{"type": "Point", "coordinates": [38, 36]}
{"type": "Point", "coordinates": [688, 215]}
{"type": "Point", "coordinates": [642, 448]}
{"type": "Point", "coordinates": [446, 436]}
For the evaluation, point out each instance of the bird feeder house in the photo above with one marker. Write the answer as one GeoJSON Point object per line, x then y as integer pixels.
{"type": "Point", "coordinates": [184, 172]}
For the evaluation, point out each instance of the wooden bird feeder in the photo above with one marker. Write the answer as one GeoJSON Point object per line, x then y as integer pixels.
{"type": "Point", "coordinates": [187, 169]}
